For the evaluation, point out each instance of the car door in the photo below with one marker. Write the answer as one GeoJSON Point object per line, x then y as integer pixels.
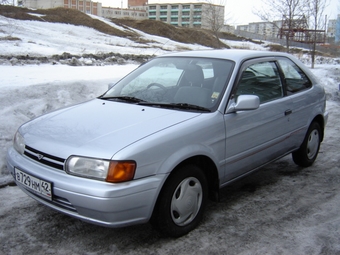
{"type": "Point", "coordinates": [254, 137]}
{"type": "Point", "coordinates": [297, 85]}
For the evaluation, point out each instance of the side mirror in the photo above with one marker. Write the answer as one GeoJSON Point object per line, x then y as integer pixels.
{"type": "Point", "coordinates": [245, 103]}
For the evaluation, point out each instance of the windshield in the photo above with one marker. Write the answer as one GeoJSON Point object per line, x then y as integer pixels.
{"type": "Point", "coordinates": [177, 82]}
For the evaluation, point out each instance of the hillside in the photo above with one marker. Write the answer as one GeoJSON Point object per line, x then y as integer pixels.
{"type": "Point", "coordinates": [147, 37]}
{"type": "Point", "coordinates": [75, 17]}
{"type": "Point", "coordinates": [61, 15]}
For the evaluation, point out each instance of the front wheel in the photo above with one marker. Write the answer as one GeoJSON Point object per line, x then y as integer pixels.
{"type": "Point", "coordinates": [309, 149]}
{"type": "Point", "coordinates": [182, 201]}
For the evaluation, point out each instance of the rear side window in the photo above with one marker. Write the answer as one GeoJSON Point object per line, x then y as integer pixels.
{"type": "Point", "coordinates": [296, 80]}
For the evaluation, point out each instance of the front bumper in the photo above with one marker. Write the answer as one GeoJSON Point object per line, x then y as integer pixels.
{"type": "Point", "coordinates": [97, 202]}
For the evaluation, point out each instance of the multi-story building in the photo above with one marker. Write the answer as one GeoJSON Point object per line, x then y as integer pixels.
{"type": "Point", "coordinates": [118, 13]}
{"type": "Point", "coordinates": [186, 14]}
{"type": "Point", "coordinates": [242, 28]}
{"type": "Point", "coordinates": [137, 9]}
{"type": "Point", "coordinates": [85, 6]}
{"type": "Point", "coordinates": [337, 30]}
{"type": "Point", "coordinates": [270, 29]}
{"type": "Point", "coordinates": [333, 29]}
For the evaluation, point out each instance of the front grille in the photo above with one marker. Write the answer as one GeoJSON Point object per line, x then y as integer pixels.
{"type": "Point", "coordinates": [44, 158]}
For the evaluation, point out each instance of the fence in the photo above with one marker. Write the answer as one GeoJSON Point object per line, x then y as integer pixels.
{"type": "Point", "coordinates": [277, 40]}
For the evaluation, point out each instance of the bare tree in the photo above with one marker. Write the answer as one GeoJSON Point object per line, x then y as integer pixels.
{"type": "Point", "coordinates": [214, 16]}
{"type": "Point", "coordinates": [288, 11]}
{"type": "Point", "coordinates": [316, 8]}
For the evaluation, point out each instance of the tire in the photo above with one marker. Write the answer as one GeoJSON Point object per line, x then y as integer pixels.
{"type": "Point", "coordinates": [181, 203]}
{"type": "Point", "coordinates": [309, 149]}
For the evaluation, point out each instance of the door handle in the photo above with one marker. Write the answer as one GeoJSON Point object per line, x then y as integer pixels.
{"type": "Point", "coordinates": [287, 112]}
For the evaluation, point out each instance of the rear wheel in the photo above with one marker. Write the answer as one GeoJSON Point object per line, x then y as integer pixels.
{"type": "Point", "coordinates": [182, 201]}
{"type": "Point", "coordinates": [309, 149]}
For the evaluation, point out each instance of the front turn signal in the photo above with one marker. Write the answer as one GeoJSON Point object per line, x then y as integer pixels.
{"type": "Point", "coordinates": [121, 171]}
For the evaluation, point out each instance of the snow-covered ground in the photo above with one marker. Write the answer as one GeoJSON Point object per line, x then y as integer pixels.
{"type": "Point", "coordinates": [282, 209]}
{"type": "Point", "coordinates": [43, 39]}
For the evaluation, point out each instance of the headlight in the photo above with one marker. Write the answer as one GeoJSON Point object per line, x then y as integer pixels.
{"type": "Point", "coordinates": [19, 143]}
{"type": "Point", "coordinates": [105, 170]}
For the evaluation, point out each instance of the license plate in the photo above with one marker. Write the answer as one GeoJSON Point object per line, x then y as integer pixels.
{"type": "Point", "coordinates": [37, 185]}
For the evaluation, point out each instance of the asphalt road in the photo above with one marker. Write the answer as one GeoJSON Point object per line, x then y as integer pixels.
{"type": "Point", "coordinates": [281, 209]}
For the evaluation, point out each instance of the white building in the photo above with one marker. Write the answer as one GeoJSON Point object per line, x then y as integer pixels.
{"type": "Point", "coordinates": [265, 28]}
{"type": "Point", "coordinates": [186, 14]}
{"type": "Point", "coordinates": [118, 13]}
{"type": "Point", "coordinates": [85, 6]}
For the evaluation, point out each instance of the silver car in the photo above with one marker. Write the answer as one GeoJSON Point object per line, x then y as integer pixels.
{"type": "Point", "coordinates": [169, 135]}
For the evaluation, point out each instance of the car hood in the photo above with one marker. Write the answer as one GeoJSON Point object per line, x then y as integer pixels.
{"type": "Point", "coordinates": [97, 128]}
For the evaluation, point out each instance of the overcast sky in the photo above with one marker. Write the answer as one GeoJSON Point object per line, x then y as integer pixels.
{"type": "Point", "coordinates": [238, 12]}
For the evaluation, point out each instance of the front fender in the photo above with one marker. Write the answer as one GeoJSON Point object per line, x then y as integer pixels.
{"type": "Point", "coordinates": [185, 153]}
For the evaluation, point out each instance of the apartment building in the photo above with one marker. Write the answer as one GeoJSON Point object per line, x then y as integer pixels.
{"type": "Point", "coordinates": [118, 13]}
{"type": "Point", "coordinates": [88, 7]}
{"type": "Point", "coordinates": [333, 29]}
{"type": "Point", "coordinates": [137, 9]}
{"type": "Point", "coordinates": [265, 28]}
{"type": "Point", "coordinates": [337, 30]}
{"type": "Point", "coordinates": [186, 14]}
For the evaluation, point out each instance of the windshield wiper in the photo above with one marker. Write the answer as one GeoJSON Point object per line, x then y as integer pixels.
{"type": "Point", "coordinates": [124, 98]}
{"type": "Point", "coordinates": [191, 107]}
{"type": "Point", "coordinates": [184, 106]}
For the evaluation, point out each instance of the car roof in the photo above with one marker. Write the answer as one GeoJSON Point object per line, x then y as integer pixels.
{"type": "Point", "coordinates": [235, 55]}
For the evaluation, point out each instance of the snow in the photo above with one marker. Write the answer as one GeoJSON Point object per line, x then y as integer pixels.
{"type": "Point", "coordinates": [43, 39]}
{"type": "Point", "coordinates": [18, 76]}
{"type": "Point", "coordinates": [282, 209]}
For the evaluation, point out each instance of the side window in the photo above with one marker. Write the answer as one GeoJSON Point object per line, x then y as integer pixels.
{"type": "Point", "coordinates": [296, 80]}
{"type": "Point", "coordinates": [261, 79]}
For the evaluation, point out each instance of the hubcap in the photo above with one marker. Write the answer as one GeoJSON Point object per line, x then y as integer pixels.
{"type": "Point", "coordinates": [312, 144]}
{"type": "Point", "coordinates": [186, 201]}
